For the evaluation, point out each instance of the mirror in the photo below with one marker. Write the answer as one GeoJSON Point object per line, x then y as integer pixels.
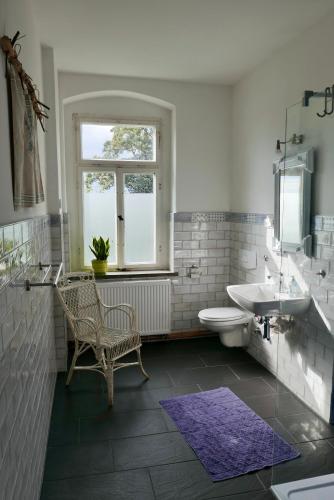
{"type": "Point", "coordinates": [293, 179]}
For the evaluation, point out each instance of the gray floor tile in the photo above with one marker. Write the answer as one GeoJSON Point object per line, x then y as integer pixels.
{"type": "Point", "coordinates": [199, 346]}
{"type": "Point", "coordinates": [256, 495]}
{"type": "Point", "coordinates": [316, 459]}
{"type": "Point", "coordinates": [215, 376]}
{"type": "Point", "coordinates": [176, 368]}
{"type": "Point", "coordinates": [225, 356]}
{"type": "Point", "coordinates": [249, 370]}
{"type": "Point", "coordinates": [171, 361]}
{"type": "Point", "coordinates": [123, 424]}
{"type": "Point", "coordinates": [78, 460]}
{"type": "Point", "coordinates": [189, 481]}
{"type": "Point", "coordinates": [128, 485]}
{"type": "Point", "coordinates": [63, 431]}
{"type": "Point", "coordinates": [275, 384]}
{"type": "Point", "coordinates": [149, 399]}
{"type": "Point", "coordinates": [78, 404]}
{"type": "Point", "coordinates": [275, 405]}
{"type": "Point", "coordinates": [249, 388]}
{"type": "Point", "coordinates": [280, 429]}
{"type": "Point", "coordinates": [132, 379]}
{"type": "Point", "coordinates": [307, 426]}
{"type": "Point", "coordinates": [152, 450]}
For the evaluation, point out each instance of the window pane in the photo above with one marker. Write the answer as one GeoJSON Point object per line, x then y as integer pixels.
{"type": "Point", "coordinates": [118, 142]}
{"type": "Point", "coordinates": [139, 218]}
{"type": "Point", "coordinates": [99, 211]}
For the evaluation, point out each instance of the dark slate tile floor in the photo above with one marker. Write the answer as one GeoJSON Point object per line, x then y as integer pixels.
{"type": "Point", "coordinates": [134, 450]}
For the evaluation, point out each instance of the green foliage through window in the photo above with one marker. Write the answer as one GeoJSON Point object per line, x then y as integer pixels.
{"type": "Point", "coordinates": [100, 181]}
{"type": "Point", "coordinates": [132, 143]}
{"type": "Point", "coordinates": [139, 183]}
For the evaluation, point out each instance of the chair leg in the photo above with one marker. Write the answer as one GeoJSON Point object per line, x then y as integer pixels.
{"type": "Point", "coordinates": [146, 375]}
{"type": "Point", "coordinates": [109, 375]}
{"type": "Point", "coordinates": [71, 370]}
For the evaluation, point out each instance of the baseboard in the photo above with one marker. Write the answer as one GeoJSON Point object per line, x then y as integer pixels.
{"type": "Point", "coordinates": [178, 335]}
{"type": "Point", "coordinates": [174, 335]}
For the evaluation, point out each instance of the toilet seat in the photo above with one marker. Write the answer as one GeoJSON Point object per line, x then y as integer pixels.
{"type": "Point", "coordinates": [221, 314]}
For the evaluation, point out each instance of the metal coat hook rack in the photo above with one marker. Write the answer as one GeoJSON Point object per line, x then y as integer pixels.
{"type": "Point", "coordinates": [328, 95]}
{"type": "Point", "coordinates": [329, 98]}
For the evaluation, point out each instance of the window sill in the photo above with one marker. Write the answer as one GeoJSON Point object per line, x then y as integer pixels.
{"type": "Point", "coordinates": [135, 275]}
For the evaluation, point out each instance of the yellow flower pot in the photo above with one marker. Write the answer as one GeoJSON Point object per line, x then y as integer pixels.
{"type": "Point", "coordinates": [100, 267]}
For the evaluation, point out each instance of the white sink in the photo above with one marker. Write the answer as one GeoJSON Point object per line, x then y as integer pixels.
{"type": "Point", "coordinates": [264, 299]}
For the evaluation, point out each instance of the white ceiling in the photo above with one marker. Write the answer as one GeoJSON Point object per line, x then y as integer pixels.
{"type": "Point", "coordinates": [214, 41]}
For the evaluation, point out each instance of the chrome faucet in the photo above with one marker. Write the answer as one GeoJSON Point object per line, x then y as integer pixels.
{"type": "Point", "coordinates": [278, 273]}
{"type": "Point", "coordinates": [282, 285]}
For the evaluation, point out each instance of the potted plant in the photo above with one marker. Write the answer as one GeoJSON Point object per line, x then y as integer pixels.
{"type": "Point", "coordinates": [101, 250]}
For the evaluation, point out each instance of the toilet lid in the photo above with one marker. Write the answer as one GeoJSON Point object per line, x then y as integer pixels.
{"type": "Point", "coordinates": [221, 313]}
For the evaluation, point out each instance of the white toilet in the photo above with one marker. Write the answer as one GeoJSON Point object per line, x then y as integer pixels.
{"type": "Point", "coordinates": [232, 323]}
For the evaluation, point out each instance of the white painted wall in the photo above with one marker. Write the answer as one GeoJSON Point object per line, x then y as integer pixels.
{"type": "Point", "coordinates": [202, 116]}
{"type": "Point", "coordinates": [18, 15]}
{"type": "Point", "coordinates": [259, 103]}
{"type": "Point", "coordinates": [52, 139]}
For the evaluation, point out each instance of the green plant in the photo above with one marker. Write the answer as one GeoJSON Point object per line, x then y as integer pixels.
{"type": "Point", "coordinates": [100, 248]}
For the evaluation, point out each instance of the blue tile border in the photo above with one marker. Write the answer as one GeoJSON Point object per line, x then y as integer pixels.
{"type": "Point", "coordinates": [323, 223]}
{"type": "Point", "coordinates": [248, 218]}
{"type": "Point", "coordinates": [209, 217]}
{"type": "Point", "coordinates": [182, 216]}
{"type": "Point", "coordinates": [240, 217]}
{"type": "Point", "coordinates": [319, 222]}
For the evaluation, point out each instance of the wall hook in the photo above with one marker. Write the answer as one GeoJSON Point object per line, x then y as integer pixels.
{"type": "Point", "coordinates": [327, 96]}
{"type": "Point", "coordinates": [332, 93]}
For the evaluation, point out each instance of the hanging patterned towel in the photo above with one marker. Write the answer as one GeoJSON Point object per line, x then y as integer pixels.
{"type": "Point", "coordinates": [27, 179]}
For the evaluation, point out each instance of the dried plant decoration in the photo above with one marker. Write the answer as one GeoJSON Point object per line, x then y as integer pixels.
{"type": "Point", "coordinates": [9, 47]}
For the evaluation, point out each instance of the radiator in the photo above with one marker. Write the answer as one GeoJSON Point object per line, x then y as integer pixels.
{"type": "Point", "coordinates": [151, 300]}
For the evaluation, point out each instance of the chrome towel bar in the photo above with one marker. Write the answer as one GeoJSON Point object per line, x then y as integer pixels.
{"type": "Point", "coordinates": [28, 284]}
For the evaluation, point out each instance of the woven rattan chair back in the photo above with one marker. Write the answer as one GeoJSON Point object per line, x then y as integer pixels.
{"type": "Point", "coordinates": [81, 300]}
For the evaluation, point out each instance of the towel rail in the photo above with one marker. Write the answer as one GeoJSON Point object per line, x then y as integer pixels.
{"type": "Point", "coordinates": [28, 284]}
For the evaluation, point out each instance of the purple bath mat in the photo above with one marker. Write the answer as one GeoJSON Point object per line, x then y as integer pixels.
{"type": "Point", "coordinates": [226, 435]}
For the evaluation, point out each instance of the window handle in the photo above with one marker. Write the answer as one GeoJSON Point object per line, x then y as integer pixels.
{"type": "Point", "coordinates": [120, 217]}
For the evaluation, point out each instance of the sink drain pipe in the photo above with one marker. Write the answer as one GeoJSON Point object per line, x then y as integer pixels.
{"type": "Point", "coordinates": [266, 328]}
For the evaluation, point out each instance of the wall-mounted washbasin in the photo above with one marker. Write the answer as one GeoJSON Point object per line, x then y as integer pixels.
{"type": "Point", "coordinates": [264, 299]}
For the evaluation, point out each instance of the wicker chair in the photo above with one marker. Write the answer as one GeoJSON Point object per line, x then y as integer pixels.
{"type": "Point", "coordinates": [86, 316]}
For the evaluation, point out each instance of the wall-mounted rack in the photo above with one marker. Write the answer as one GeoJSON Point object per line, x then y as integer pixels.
{"type": "Point", "coordinates": [327, 94]}
{"type": "Point", "coordinates": [28, 284]}
{"type": "Point", "coordinates": [308, 94]}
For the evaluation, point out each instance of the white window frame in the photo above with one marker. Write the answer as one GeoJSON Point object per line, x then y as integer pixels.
{"type": "Point", "coordinates": [120, 168]}
{"type": "Point", "coordinates": [118, 121]}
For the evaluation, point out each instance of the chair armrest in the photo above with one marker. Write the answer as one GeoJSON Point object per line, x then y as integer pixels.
{"type": "Point", "coordinates": [91, 324]}
{"type": "Point", "coordinates": [126, 309]}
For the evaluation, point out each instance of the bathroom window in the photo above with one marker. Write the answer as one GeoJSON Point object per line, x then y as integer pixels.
{"type": "Point", "coordinates": [118, 191]}
{"type": "Point", "coordinates": [118, 142]}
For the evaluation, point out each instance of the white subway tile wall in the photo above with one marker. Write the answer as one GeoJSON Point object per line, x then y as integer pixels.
{"type": "Point", "coordinates": [300, 354]}
{"type": "Point", "coordinates": [60, 253]}
{"type": "Point", "coordinates": [201, 257]}
{"type": "Point", "coordinates": [27, 358]}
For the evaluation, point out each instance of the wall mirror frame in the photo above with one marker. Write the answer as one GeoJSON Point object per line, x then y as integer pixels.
{"type": "Point", "coordinates": [292, 218]}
